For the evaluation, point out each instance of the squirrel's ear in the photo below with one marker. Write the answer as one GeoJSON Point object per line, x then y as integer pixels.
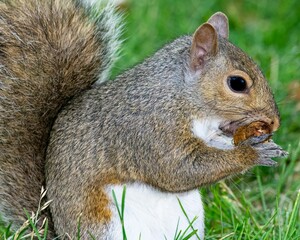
{"type": "Point", "coordinates": [204, 45]}
{"type": "Point", "coordinates": [220, 22]}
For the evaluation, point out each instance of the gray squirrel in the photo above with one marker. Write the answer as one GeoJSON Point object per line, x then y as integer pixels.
{"type": "Point", "coordinates": [163, 128]}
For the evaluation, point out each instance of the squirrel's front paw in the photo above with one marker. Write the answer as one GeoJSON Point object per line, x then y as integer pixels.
{"type": "Point", "coordinates": [265, 149]}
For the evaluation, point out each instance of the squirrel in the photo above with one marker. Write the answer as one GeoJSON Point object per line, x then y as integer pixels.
{"type": "Point", "coordinates": [163, 128]}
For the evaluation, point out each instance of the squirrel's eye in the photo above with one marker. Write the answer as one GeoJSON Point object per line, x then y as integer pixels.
{"type": "Point", "coordinates": [237, 84]}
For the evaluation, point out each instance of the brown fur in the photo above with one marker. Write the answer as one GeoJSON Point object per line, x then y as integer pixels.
{"type": "Point", "coordinates": [98, 203]}
{"type": "Point", "coordinates": [98, 206]}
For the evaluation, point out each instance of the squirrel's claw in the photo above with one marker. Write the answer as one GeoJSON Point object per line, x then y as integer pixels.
{"type": "Point", "coordinates": [267, 162]}
{"type": "Point", "coordinates": [268, 150]}
{"type": "Point", "coordinates": [256, 140]}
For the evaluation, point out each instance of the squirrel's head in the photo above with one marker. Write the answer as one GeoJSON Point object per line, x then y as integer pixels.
{"type": "Point", "coordinates": [231, 85]}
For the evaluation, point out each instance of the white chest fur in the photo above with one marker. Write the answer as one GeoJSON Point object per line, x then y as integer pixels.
{"type": "Point", "coordinates": [208, 130]}
{"type": "Point", "coordinates": [151, 214]}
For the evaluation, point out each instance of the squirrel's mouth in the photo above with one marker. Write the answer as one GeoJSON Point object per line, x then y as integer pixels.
{"type": "Point", "coordinates": [229, 128]}
{"type": "Point", "coordinates": [258, 128]}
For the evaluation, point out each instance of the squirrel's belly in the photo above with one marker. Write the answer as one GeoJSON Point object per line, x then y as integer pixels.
{"type": "Point", "coordinates": [151, 214]}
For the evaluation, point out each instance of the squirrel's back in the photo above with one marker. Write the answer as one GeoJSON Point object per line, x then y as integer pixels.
{"type": "Point", "coordinates": [50, 50]}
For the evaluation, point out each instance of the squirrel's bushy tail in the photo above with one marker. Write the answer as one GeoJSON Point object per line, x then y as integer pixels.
{"type": "Point", "coordinates": [50, 50]}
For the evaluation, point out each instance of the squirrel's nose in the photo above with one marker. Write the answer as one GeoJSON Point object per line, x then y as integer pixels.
{"type": "Point", "coordinates": [274, 123]}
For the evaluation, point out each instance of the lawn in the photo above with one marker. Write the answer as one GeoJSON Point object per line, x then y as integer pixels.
{"type": "Point", "coordinates": [263, 203]}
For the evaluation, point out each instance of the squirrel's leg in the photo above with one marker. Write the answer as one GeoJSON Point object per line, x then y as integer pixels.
{"type": "Point", "coordinates": [195, 165]}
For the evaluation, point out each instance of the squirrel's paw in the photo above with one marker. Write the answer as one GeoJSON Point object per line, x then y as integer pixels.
{"type": "Point", "coordinates": [265, 149]}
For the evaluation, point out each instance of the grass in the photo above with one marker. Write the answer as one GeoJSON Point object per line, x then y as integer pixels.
{"type": "Point", "coordinates": [33, 228]}
{"type": "Point", "coordinates": [121, 209]}
{"type": "Point", "coordinates": [263, 203]}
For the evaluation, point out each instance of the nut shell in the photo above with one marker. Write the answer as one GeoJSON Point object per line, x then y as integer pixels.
{"type": "Point", "coordinates": [253, 129]}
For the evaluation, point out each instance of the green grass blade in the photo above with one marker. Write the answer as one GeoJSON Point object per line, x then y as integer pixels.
{"type": "Point", "coordinates": [78, 234]}
{"type": "Point", "coordinates": [293, 218]}
{"type": "Point", "coordinates": [176, 231]}
{"type": "Point", "coordinates": [33, 226]}
{"type": "Point", "coordinates": [121, 211]}
{"type": "Point", "coordinates": [187, 218]}
{"type": "Point", "coordinates": [46, 230]}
